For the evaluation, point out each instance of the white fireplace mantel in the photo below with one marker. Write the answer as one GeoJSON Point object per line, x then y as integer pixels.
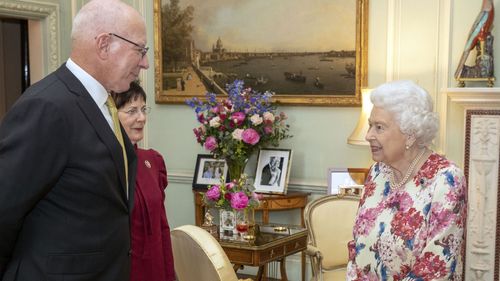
{"type": "Point", "coordinates": [483, 98]}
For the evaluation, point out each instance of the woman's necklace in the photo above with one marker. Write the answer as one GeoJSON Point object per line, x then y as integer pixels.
{"type": "Point", "coordinates": [408, 174]}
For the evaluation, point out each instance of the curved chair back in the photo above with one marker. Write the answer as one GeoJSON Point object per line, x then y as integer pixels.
{"type": "Point", "coordinates": [199, 256]}
{"type": "Point", "coordinates": [329, 221]}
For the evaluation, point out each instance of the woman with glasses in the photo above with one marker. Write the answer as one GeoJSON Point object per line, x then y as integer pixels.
{"type": "Point", "coordinates": [151, 257]}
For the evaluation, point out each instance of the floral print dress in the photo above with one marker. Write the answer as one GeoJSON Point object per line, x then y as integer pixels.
{"type": "Point", "coordinates": [412, 233]}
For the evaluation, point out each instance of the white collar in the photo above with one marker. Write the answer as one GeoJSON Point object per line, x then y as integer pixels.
{"type": "Point", "coordinates": [95, 89]}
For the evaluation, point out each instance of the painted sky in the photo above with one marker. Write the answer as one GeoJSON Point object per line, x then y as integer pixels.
{"type": "Point", "coordinates": [274, 25]}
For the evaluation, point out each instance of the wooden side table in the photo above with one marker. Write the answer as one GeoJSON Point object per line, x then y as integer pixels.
{"type": "Point", "coordinates": [269, 203]}
{"type": "Point", "coordinates": [268, 247]}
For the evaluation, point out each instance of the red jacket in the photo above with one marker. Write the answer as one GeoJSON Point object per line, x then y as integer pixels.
{"type": "Point", "coordinates": [152, 258]}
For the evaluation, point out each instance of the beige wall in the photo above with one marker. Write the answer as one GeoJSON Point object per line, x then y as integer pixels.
{"type": "Point", "coordinates": [418, 40]}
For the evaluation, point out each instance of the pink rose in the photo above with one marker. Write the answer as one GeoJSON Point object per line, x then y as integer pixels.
{"type": "Point", "coordinates": [230, 185]}
{"type": "Point", "coordinates": [257, 196]}
{"type": "Point", "coordinates": [213, 193]}
{"type": "Point", "coordinates": [283, 116]}
{"type": "Point", "coordinates": [210, 143]}
{"type": "Point", "coordinates": [268, 129]}
{"type": "Point", "coordinates": [238, 118]}
{"type": "Point", "coordinates": [239, 200]}
{"type": "Point", "coordinates": [250, 136]}
{"type": "Point", "coordinates": [215, 109]}
{"type": "Point", "coordinates": [268, 116]}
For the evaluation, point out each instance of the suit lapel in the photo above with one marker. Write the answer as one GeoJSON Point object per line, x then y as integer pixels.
{"type": "Point", "coordinates": [97, 120]}
{"type": "Point", "coordinates": [132, 166]}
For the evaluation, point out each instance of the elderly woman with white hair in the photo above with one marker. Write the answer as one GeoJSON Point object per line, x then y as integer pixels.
{"type": "Point", "coordinates": [411, 218]}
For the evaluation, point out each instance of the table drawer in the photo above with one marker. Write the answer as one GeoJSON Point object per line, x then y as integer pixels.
{"type": "Point", "coordinates": [295, 246]}
{"type": "Point", "coordinates": [238, 256]}
{"type": "Point", "coordinates": [285, 203]}
{"type": "Point", "coordinates": [272, 254]}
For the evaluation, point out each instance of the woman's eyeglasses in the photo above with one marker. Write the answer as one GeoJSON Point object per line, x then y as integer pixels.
{"type": "Point", "coordinates": [135, 111]}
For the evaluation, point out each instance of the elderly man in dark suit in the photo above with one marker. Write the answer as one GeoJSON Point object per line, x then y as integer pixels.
{"type": "Point", "coordinates": [67, 167]}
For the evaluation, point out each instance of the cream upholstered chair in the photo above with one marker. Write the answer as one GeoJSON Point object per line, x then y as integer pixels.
{"type": "Point", "coordinates": [329, 221]}
{"type": "Point", "coordinates": [198, 256]}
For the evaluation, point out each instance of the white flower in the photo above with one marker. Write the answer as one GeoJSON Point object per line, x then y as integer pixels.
{"type": "Point", "coordinates": [268, 116]}
{"type": "Point", "coordinates": [256, 119]}
{"type": "Point", "coordinates": [215, 122]}
{"type": "Point", "coordinates": [237, 134]}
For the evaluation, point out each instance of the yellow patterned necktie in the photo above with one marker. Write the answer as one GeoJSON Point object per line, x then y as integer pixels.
{"type": "Point", "coordinates": [110, 103]}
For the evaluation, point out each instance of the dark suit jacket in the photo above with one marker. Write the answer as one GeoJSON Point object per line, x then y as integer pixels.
{"type": "Point", "coordinates": [266, 175]}
{"type": "Point", "coordinates": [64, 214]}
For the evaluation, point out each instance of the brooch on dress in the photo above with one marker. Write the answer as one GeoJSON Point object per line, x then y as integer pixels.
{"type": "Point", "coordinates": [146, 162]}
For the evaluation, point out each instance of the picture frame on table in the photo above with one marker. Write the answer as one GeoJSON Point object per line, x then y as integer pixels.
{"type": "Point", "coordinates": [273, 170]}
{"type": "Point", "coordinates": [323, 64]}
{"type": "Point", "coordinates": [346, 180]}
{"type": "Point", "coordinates": [208, 171]}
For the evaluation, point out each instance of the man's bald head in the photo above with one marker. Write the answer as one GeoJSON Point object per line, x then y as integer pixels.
{"type": "Point", "coordinates": [108, 42]}
{"type": "Point", "coordinates": [98, 16]}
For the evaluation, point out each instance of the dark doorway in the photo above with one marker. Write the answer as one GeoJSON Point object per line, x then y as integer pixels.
{"type": "Point", "coordinates": [14, 61]}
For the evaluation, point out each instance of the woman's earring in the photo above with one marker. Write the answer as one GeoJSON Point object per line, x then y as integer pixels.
{"type": "Point", "coordinates": [407, 147]}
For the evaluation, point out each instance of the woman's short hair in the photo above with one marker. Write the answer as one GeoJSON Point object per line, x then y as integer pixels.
{"type": "Point", "coordinates": [411, 107]}
{"type": "Point", "coordinates": [133, 93]}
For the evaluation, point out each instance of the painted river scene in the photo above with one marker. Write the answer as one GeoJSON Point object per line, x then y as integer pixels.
{"type": "Point", "coordinates": [309, 53]}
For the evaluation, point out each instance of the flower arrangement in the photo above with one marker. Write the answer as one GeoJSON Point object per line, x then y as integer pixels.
{"type": "Point", "coordinates": [235, 195]}
{"type": "Point", "coordinates": [236, 126]}
{"type": "Point", "coordinates": [233, 128]}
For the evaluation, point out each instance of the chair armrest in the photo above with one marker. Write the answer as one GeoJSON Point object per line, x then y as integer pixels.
{"type": "Point", "coordinates": [316, 258]}
{"type": "Point", "coordinates": [313, 251]}
{"type": "Point", "coordinates": [248, 279]}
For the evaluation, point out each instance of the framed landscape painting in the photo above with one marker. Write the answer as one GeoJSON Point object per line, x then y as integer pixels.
{"type": "Point", "coordinates": [318, 56]}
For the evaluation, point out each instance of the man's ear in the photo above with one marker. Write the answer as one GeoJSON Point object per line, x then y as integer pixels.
{"type": "Point", "coordinates": [102, 45]}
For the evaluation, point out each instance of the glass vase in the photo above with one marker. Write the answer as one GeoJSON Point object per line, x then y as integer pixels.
{"type": "Point", "coordinates": [241, 222]}
{"type": "Point", "coordinates": [245, 224]}
{"type": "Point", "coordinates": [236, 167]}
{"type": "Point", "coordinates": [227, 225]}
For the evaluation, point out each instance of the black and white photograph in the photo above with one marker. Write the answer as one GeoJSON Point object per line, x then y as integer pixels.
{"type": "Point", "coordinates": [208, 171]}
{"type": "Point", "coordinates": [272, 171]}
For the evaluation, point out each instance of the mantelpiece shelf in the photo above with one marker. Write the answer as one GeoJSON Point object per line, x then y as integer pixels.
{"type": "Point", "coordinates": [474, 97]}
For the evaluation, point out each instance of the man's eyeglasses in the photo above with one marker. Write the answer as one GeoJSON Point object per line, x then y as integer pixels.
{"type": "Point", "coordinates": [135, 111]}
{"type": "Point", "coordinates": [143, 50]}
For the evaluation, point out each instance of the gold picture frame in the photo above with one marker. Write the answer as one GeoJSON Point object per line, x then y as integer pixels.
{"type": "Point", "coordinates": [342, 180]}
{"type": "Point", "coordinates": [177, 85]}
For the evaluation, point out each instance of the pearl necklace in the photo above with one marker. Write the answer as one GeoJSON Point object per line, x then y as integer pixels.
{"type": "Point", "coordinates": [408, 174]}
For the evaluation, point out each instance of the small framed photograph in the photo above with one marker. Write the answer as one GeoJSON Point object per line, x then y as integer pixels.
{"type": "Point", "coordinates": [208, 171]}
{"type": "Point", "coordinates": [346, 180]}
{"type": "Point", "coordinates": [273, 167]}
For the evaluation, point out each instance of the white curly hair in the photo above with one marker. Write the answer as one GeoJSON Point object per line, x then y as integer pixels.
{"type": "Point", "coordinates": [411, 107]}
